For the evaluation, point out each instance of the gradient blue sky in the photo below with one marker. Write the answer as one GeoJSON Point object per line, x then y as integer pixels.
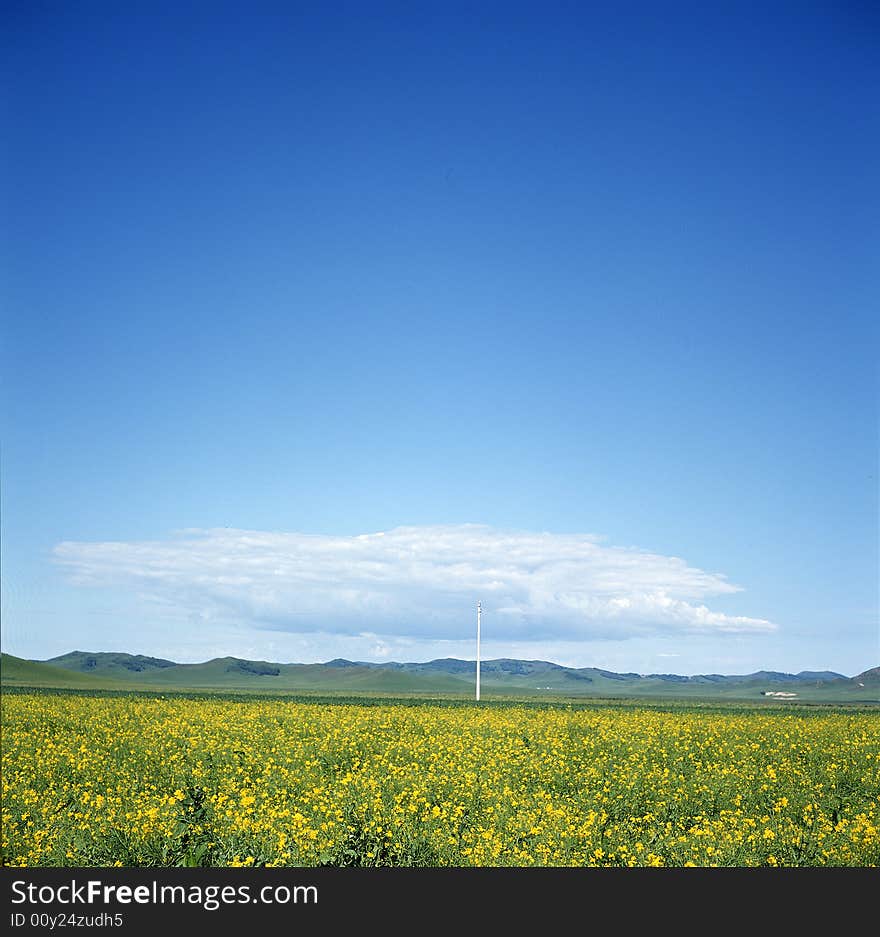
{"type": "Point", "coordinates": [597, 279]}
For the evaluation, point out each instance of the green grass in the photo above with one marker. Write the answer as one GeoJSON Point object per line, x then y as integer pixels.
{"type": "Point", "coordinates": [224, 675]}
{"type": "Point", "coordinates": [657, 704]}
{"type": "Point", "coordinates": [14, 671]}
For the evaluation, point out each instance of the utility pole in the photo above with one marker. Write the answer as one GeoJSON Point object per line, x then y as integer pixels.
{"type": "Point", "coordinates": [479, 610]}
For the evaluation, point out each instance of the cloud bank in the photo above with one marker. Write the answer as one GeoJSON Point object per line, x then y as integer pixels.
{"type": "Point", "coordinates": [421, 582]}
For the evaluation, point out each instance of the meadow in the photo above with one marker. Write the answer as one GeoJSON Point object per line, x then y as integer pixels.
{"type": "Point", "coordinates": [145, 780]}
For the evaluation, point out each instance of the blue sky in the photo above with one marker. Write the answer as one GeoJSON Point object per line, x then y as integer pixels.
{"type": "Point", "coordinates": [575, 304]}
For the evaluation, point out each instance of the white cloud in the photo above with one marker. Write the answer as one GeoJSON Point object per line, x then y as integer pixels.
{"type": "Point", "coordinates": [421, 582]}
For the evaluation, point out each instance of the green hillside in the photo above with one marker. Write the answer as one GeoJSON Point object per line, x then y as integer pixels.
{"type": "Point", "coordinates": [123, 665]}
{"type": "Point", "coordinates": [14, 671]}
{"type": "Point", "coordinates": [446, 677]}
{"type": "Point", "coordinates": [869, 678]}
{"type": "Point", "coordinates": [225, 673]}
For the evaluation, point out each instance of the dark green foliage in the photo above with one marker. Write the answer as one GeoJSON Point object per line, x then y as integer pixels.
{"type": "Point", "coordinates": [256, 667]}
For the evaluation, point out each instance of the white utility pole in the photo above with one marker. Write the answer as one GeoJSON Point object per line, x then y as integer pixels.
{"type": "Point", "coordinates": [479, 610]}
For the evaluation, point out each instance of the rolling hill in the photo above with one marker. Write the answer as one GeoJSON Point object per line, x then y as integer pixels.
{"type": "Point", "coordinates": [15, 671]}
{"type": "Point", "coordinates": [448, 676]}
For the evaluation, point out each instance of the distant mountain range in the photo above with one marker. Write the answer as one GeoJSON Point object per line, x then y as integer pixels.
{"type": "Point", "coordinates": [501, 677]}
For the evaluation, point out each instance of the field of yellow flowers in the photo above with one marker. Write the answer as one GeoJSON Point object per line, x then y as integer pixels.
{"type": "Point", "coordinates": [140, 781]}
